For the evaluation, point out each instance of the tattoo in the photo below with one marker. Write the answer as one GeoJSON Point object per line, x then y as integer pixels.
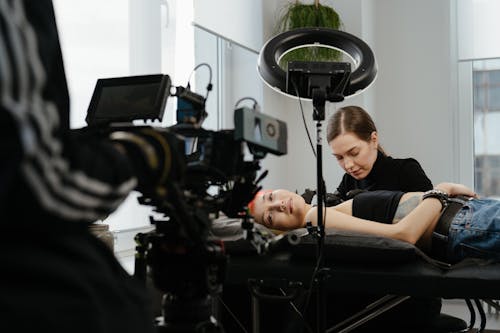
{"type": "Point", "coordinates": [405, 207]}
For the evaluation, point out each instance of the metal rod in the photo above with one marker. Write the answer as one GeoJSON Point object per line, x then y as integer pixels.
{"type": "Point", "coordinates": [391, 302]}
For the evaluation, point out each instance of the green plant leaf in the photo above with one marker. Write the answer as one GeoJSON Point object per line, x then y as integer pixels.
{"type": "Point", "coordinates": [297, 15]}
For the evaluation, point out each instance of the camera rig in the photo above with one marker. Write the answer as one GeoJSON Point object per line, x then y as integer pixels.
{"type": "Point", "coordinates": [205, 172]}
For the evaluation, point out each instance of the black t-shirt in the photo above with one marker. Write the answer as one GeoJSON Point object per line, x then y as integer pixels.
{"type": "Point", "coordinates": [392, 174]}
{"type": "Point", "coordinates": [379, 206]}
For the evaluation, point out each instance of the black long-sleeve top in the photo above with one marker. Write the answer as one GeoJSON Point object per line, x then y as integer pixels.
{"type": "Point", "coordinates": [391, 174]}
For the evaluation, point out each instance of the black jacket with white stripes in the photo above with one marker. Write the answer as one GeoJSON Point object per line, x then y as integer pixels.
{"type": "Point", "coordinates": [56, 276]}
{"type": "Point", "coordinates": [45, 167]}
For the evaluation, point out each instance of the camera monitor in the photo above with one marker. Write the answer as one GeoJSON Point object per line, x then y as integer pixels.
{"type": "Point", "coordinates": [124, 99]}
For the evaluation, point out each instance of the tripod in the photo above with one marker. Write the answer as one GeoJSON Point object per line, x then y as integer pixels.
{"type": "Point", "coordinates": [188, 277]}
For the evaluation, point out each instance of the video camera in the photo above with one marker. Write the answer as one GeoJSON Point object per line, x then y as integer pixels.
{"type": "Point", "coordinates": [202, 172]}
{"type": "Point", "coordinates": [208, 158]}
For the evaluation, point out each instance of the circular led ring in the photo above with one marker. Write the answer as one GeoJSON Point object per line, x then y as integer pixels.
{"type": "Point", "coordinates": [361, 77]}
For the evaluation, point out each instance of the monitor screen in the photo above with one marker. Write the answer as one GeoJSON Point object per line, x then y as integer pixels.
{"type": "Point", "coordinates": [124, 99]}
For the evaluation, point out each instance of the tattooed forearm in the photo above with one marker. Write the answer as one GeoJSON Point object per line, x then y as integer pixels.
{"type": "Point", "coordinates": [405, 207]}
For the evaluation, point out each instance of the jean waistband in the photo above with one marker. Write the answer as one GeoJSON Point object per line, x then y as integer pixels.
{"type": "Point", "coordinates": [448, 214]}
{"type": "Point", "coordinates": [442, 229]}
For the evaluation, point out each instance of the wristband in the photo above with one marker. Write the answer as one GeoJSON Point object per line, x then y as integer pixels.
{"type": "Point", "coordinates": [438, 194]}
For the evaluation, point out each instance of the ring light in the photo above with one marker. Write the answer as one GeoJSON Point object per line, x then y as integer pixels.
{"type": "Point", "coordinates": [272, 74]}
{"type": "Point", "coordinates": [320, 81]}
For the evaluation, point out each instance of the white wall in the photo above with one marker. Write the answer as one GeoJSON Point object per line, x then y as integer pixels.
{"type": "Point", "coordinates": [414, 92]}
{"type": "Point", "coordinates": [145, 37]}
{"type": "Point", "coordinates": [297, 170]}
{"type": "Point", "coordinates": [412, 100]}
{"type": "Point", "coordinates": [477, 20]}
{"type": "Point", "coordinates": [240, 20]}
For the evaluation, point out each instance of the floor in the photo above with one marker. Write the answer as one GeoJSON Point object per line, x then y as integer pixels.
{"type": "Point", "coordinates": [458, 308]}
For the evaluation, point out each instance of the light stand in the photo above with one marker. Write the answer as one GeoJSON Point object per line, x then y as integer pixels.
{"type": "Point", "coordinates": [319, 101]}
{"type": "Point", "coordinates": [321, 82]}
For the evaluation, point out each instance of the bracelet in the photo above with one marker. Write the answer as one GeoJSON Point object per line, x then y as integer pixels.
{"type": "Point", "coordinates": [438, 194]}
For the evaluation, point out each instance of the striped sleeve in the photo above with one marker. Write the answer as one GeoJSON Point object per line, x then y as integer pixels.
{"type": "Point", "coordinates": [50, 164]}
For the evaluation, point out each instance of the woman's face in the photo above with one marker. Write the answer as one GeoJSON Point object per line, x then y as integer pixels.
{"type": "Point", "coordinates": [355, 156]}
{"type": "Point", "coordinates": [280, 209]}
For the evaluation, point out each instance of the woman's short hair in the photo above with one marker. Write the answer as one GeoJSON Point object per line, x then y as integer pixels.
{"type": "Point", "coordinates": [251, 204]}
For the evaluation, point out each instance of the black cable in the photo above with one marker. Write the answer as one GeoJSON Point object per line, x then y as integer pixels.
{"type": "Point", "coordinates": [297, 311]}
{"type": "Point", "coordinates": [303, 117]}
{"type": "Point", "coordinates": [232, 314]}
{"type": "Point", "coordinates": [209, 88]}
{"type": "Point", "coordinates": [255, 103]}
{"type": "Point", "coordinates": [209, 85]}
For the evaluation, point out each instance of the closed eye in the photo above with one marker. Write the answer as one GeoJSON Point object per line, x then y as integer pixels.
{"type": "Point", "coordinates": [269, 219]}
{"type": "Point", "coordinates": [354, 152]}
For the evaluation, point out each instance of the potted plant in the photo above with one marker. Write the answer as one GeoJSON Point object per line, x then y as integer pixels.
{"type": "Point", "coordinates": [298, 15]}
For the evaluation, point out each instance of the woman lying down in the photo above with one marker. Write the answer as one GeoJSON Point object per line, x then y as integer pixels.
{"type": "Point", "coordinates": [470, 230]}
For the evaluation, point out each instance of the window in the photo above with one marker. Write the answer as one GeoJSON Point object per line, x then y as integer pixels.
{"type": "Point", "coordinates": [95, 44]}
{"type": "Point", "coordinates": [486, 104]}
{"type": "Point", "coordinates": [234, 76]}
{"type": "Point", "coordinates": [478, 56]}
{"type": "Point", "coordinates": [120, 38]}
{"type": "Point", "coordinates": [114, 38]}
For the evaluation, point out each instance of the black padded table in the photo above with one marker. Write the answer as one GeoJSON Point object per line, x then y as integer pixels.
{"type": "Point", "coordinates": [368, 264]}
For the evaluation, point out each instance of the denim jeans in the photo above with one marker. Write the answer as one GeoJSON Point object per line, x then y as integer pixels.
{"type": "Point", "coordinates": [475, 231]}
